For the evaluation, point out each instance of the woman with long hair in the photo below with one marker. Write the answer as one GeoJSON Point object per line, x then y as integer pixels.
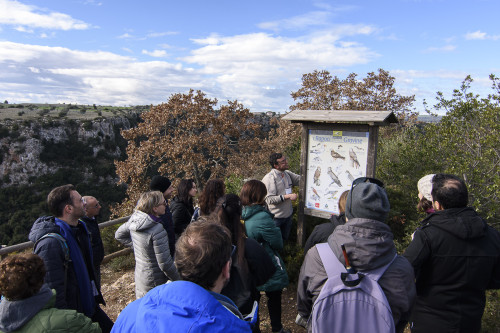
{"type": "Point", "coordinates": [153, 263]}
{"type": "Point", "coordinates": [251, 266]}
{"type": "Point", "coordinates": [213, 190]}
{"type": "Point", "coordinates": [182, 205]}
{"type": "Point", "coordinates": [259, 225]}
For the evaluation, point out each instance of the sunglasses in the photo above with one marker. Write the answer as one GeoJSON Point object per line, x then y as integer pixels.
{"type": "Point", "coordinates": [360, 180]}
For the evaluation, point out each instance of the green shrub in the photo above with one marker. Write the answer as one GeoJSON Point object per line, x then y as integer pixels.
{"type": "Point", "coordinates": [122, 263]}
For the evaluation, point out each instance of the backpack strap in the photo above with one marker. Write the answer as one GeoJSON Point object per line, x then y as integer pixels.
{"type": "Point", "coordinates": [332, 265]}
{"type": "Point", "coordinates": [65, 249]}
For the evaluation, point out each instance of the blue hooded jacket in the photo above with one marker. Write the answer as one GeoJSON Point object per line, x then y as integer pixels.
{"type": "Point", "coordinates": [179, 306]}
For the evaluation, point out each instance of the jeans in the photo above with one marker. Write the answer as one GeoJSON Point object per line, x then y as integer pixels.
{"type": "Point", "coordinates": [285, 225]}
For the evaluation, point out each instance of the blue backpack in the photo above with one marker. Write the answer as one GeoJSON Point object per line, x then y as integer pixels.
{"type": "Point", "coordinates": [350, 302]}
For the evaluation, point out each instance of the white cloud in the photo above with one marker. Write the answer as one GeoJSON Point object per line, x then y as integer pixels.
{"type": "Point", "coordinates": [161, 34]}
{"type": "Point", "coordinates": [317, 18]}
{"type": "Point", "coordinates": [19, 14]}
{"type": "Point", "coordinates": [155, 53]}
{"type": "Point", "coordinates": [478, 35]}
{"type": "Point", "coordinates": [445, 48]}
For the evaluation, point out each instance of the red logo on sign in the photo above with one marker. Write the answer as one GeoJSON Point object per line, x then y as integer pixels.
{"type": "Point", "coordinates": [316, 205]}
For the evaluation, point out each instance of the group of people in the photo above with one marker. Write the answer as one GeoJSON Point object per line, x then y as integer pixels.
{"type": "Point", "coordinates": [202, 269]}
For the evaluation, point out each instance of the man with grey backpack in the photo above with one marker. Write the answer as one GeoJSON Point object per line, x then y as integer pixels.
{"type": "Point", "coordinates": [367, 288]}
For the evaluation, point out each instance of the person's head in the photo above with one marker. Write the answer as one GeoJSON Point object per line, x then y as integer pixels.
{"type": "Point", "coordinates": [162, 184]}
{"type": "Point", "coordinates": [367, 199]}
{"type": "Point", "coordinates": [213, 190]}
{"type": "Point", "coordinates": [449, 191]}
{"type": "Point", "coordinates": [65, 202]}
{"type": "Point", "coordinates": [424, 186]}
{"type": "Point", "coordinates": [203, 252]}
{"type": "Point", "coordinates": [92, 206]}
{"type": "Point", "coordinates": [228, 214]}
{"type": "Point", "coordinates": [187, 190]}
{"type": "Point", "coordinates": [21, 276]}
{"type": "Point", "coordinates": [152, 203]}
{"type": "Point", "coordinates": [278, 161]}
{"type": "Point", "coordinates": [253, 192]}
{"type": "Point", "coordinates": [342, 201]}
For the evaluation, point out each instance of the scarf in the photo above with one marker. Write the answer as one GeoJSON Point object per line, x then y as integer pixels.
{"type": "Point", "coordinates": [82, 275]}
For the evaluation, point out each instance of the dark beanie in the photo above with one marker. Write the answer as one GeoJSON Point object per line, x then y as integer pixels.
{"type": "Point", "coordinates": [160, 183]}
{"type": "Point", "coordinates": [369, 201]}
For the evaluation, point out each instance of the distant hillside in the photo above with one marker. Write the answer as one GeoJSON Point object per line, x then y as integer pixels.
{"type": "Point", "coordinates": [46, 145]}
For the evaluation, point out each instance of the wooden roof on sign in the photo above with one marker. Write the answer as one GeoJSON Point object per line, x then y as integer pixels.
{"type": "Point", "coordinates": [379, 118]}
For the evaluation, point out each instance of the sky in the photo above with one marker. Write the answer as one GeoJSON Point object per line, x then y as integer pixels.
{"type": "Point", "coordinates": [123, 53]}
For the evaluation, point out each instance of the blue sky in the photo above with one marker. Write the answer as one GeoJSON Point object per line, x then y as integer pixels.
{"type": "Point", "coordinates": [140, 52]}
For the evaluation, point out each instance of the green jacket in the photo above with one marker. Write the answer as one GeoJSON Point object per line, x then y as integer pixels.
{"type": "Point", "coordinates": [38, 314]}
{"type": "Point", "coordinates": [259, 225]}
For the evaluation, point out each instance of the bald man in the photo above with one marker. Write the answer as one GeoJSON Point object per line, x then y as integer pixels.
{"type": "Point", "coordinates": [92, 209]}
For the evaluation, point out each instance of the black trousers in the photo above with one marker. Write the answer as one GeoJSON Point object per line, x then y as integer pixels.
{"type": "Point", "coordinates": [274, 308]}
{"type": "Point", "coordinates": [102, 319]}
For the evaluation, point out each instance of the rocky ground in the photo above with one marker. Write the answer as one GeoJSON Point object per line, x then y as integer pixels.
{"type": "Point", "coordinates": [118, 290]}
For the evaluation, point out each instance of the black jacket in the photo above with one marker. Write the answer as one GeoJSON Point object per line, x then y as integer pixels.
{"type": "Point", "coordinates": [456, 257]}
{"type": "Point", "coordinates": [242, 286]}
{"type": "Point", "coordinates": [181, 214]}
{"type": "Point", "coordinates": [168, 224]}
{"type": "Point", "coordinates": [95, 240]}
{"type": "Point", "coordinates": [321, 232]}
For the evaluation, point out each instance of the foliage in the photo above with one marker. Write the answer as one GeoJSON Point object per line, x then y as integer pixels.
{"type": "Point", "coordinates": [122, 263]}
{"type": "Point", "coordinates": [321, 91]}
{"type": "Point", "coordinates": [188, 137]}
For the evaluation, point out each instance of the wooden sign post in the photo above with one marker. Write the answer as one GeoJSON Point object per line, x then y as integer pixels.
{"type": "Point", "coordinates": [337, 146]}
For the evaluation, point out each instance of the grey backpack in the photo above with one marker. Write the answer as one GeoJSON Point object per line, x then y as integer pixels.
{"type": "Point", "coordinates": [350, 302]}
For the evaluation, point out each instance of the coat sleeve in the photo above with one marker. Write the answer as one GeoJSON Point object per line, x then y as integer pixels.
{"type": "Point", "coordinates": [77, 322]}
{"type": "Point", "coordinates": [162, 253]}
{"type": "Point", "coordinates": [272, 197]}
{"type": "Point", "coordinates": [418, 252]}
{"type": "Point", "coordinates": [271, 234]}
{"type": "Point", "coordinates": [312, 277]}
{"type": "Point", "coordinates": [294, 177]}
{"type": "Point", "coordinates": [259, 262]}
{"type": "Point", "coordinates": [495, 278]}
{"type": "Point", "coordinates": [50, 250]}
{"type": "Point", "coordinates": [123, 235]}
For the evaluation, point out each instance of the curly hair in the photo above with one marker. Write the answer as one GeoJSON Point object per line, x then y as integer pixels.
{"type": "Point", "coordinates": [21, 276]}
{"type": "Point", "coordinates": [214, 189]}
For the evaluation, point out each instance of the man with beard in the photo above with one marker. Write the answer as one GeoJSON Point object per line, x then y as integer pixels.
{"type": "Point", "coordinates": [63, 242]}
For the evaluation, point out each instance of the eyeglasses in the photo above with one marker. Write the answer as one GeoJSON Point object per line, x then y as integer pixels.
{"type": "Point", "coordinates": [164, 203]}
{"type": "Point", "coordinates": [360, 180]}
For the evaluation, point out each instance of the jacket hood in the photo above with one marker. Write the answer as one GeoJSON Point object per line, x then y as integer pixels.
{"type": "Point", "coordinates": [15, 314]}
{"type": "Point", "coordinates": [249, 211]}
{"type": "Point", "coordinates": [463, 223]}
{"type": "Point", "coordinates": [140, 221]}
{"type": "Point", "coordinates": [43, 225]}
{"type": "Point", "coordinates": [369, 243]}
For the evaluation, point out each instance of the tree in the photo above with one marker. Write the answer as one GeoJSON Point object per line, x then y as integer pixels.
{"type": "Point", "coordinates": [321, 91]}
{"type": "Point", "coordinates": [188, 137]}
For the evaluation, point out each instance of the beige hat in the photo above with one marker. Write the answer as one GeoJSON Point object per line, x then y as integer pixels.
{"type": "Point", "coordinates": [424, 186]}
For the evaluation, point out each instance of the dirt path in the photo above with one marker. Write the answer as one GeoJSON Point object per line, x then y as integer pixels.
{"type": "Point", "coordinates": [118, 291]}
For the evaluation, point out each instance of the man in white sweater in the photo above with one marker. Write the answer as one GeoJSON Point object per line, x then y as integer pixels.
{"type": "Point", "coordinates": [279, 182]}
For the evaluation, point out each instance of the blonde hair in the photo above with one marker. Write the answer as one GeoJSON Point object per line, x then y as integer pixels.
{"type": "Point", "coordinates": [148, 200]}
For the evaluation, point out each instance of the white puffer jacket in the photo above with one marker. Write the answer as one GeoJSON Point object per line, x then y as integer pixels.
{"type": "Point", "coordinates": [153, 264]}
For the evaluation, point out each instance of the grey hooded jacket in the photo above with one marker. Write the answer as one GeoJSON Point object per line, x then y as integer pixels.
{"type": "Point", "coordinates": [153, 264]}
{"type": "Point", "coordinates": [369, 245]}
